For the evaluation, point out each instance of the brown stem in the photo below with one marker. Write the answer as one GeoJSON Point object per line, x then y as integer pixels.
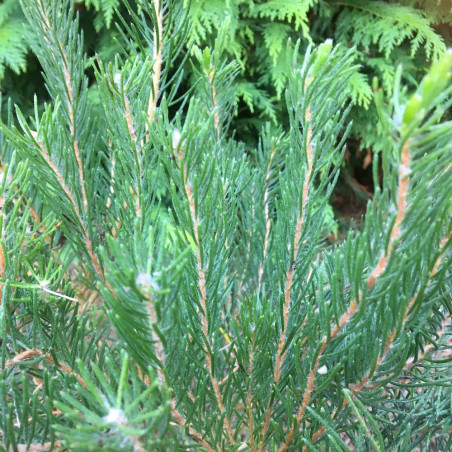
{"type": "Point", "coordinates": [157, 68]}
{"type": "Point", "coordinates": [133, 137]}
{"type": "Point", "coordinates": [215, 104]}
{"type": "Point", "coordinates": [280, 357]}
{"type": "Point", "coordinates": [28, 354]}
{"type": "Point", "coordinates": [401, 203]}
{"type": "Point", "coordinates": [70, 102]}
{"type": "Point", "coordinates": [203, 302]}
{"type": "Point", "coordinates": [267, 218]}
{"type": "Point", "coordinates": [92, 255]}
{"type": "Point", "coordinates": [401, 210]}
{"type": "Point", "coordinates": [311, 377]}
{"type": "Point", "coordinates": [249, 400]}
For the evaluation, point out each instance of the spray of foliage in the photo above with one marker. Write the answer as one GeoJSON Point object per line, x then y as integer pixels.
{"type": "Point", "coordinates": [215, 318]}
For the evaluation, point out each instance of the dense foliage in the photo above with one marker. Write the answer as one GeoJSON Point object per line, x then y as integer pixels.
{"type": "Point", "coordinates": [165, 286]}
{"type": "Point", "coordinates": [385, 34]}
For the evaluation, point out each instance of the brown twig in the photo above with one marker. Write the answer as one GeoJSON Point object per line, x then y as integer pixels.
{"type": "Point", "coordinates": [202, 286]}
{"type": "Point", "coordinates": [157, 67]}
{"type": "Point", "coordinates": [215, 104]}
{"type": "Point", "coordinates": [280, 357]}
{"type": "Point", "coordinates": [395, 234]}
{"type": "Point", "coordinates": [267, 219]}
{"type": "Point", "coordinates": [203, 302]}
{"type": "Point", "coordinates": [67, 191]}
{"type": "Point", "coordinates": [133, 137]}
{"type": "Point", "coordinates": [2, 240]}
{"type": "Point", "coordinates": [249, 400]}
{"type": "Point", "coordinates": [29, 354]}
{"type": "Point", "coordinates": [401, 210]}
{"type": "Point", "coordinates": [70, 102]}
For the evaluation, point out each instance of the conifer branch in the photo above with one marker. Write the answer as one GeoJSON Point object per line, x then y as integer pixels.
{"type": "Point", "coordinates": [191, 431]}
{"type": "Point", "coordinates": [390, 340]}
{"type": "Point", "coordinates": [404, 171]}
{"type": "Point", "coordinates": [59, 177]}
{"type": "Point", "coordinates": [280, 356]}
{"type": "Point", "coordinates": [267, 218]}
{"type": "Point", "coordinates": [47, 29]}
{"type": "Point", "coordinates": [214, 100]}
{"type": "Point", "coordinates": [203, 298]}
{"type": "Point", "coordinates": [30, 354]}
{"type": "Point", "coordinates": [160, 354]}
{"type": "Point", "coordinates": [92, 255]}
{"type": "Point", "coordinates": [379, 269]}
{"type": "Point", "coordinates": [157, 67]}
{"type": "Point", "coordinates": [249, 399]}
{"type": "Point", "coordinates": [2, 241]}
{"type": "Point", "coordinates": [133, 137]}
{"type": "Point", "coordinates": [366, 380]}
{"type": "Point", "coordinates": [351, 311]}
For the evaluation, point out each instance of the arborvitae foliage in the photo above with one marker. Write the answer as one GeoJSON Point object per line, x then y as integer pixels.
{"type": "Point", "coordinates": [164, 289]}
{"type": "Point", "coordinates": [13, 38]}
{"type": "Point", "coordinates": [385, 34]}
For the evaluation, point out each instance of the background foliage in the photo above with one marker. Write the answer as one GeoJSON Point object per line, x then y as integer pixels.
{"type": "Point", "coordinates": [385, 34]}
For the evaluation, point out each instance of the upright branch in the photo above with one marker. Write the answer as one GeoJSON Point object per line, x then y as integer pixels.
{"type": "Point", "coordinates": [157, 67]}
{"type": "Point", "coordinates": [280, 356]}
{"type": "Point", "coordinates": [267, 218]}
{"type": "Point", "coordinates": [2, 241]}
{"type": "Point", "coordinates": [89, 246]}
{"type": "Point", "coordinates": [203, 295]}
{"type": "Point", "coordinates": [48, 31]}
{"type": "Point", "coordinates": [367, 381]}
{"type": "Point", "coordinates": [160, 354]}
{"type": "Point", "coordinates": [214, 100]}
{"type": "Point", "coordinates": [404, 171]}
{"type": "Point", "coordinates": [133, 137]}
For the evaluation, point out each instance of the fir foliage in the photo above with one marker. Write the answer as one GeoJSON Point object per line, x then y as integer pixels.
{"type": "Point", "coordinates": [163, 287]}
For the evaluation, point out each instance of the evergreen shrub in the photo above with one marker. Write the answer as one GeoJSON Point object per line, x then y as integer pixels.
{"type": "Point", "coordinates": [162, 288]}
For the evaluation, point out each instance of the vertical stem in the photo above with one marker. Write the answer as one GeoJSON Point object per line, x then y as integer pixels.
{"type": "Point", "coordinates": [157, 68]}
{"type": "Point", "coordinates": [133, 137]}
{"type": "Point", "coordinates": [267, 219]}
{"type": "Point", "coordinates": [203, 302]}
{"type": "Point", "coordinates": [215, 104]}
{"type": "Point", "coordinates": [202, 288]}
{"type": "Point", "coordinates": [159, 352]}
{"type": "Point", "coordinates": [2, 240]}
{"type": "Point", "coordinates": [280, 357]}
{"type": "Point", "coordinates": [70, 101]}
